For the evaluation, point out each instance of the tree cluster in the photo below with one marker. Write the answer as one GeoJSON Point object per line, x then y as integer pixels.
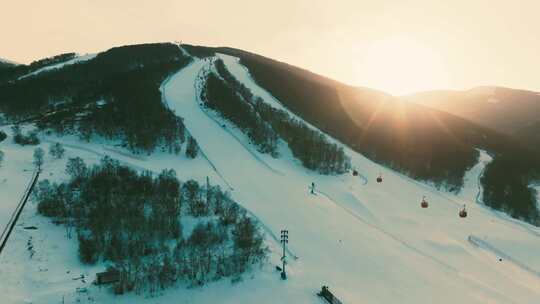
{"type": "Point", "coordinates": [309, 146]}
{"type": "Point", "coordinates": [417, 141]}
{"type": "Point", "coordinates": [38, 157]}
{"type": "Point", "coordinates": [192, 148]}
{"type": "Point", "coordinates": [423, 143]}
{"type": "Point", "coordinates": [219, 95]}
{"type": "Point", "coordinates": [56, 150]}
{"type": "Point", "coordinates": [134, 221]}
{"type": "Point", "coordinates": [24, 139]}
{"type": "Point", "coordinates": [10, 72]}
{"type": "Point", "coordinates": [115, 95]}
{"type": "Point", "coordinates": [507, 182]}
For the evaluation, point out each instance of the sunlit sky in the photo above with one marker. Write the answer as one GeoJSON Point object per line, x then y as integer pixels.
{"type": "Point", "coordinates": [400, 46]}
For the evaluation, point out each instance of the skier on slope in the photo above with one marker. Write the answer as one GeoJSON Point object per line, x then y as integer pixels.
{"type": "Point", "coordinates": [312, 188]}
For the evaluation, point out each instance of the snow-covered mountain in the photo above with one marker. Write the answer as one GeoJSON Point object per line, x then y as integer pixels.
{"type": "Point", "coordinates": [370, 242]}
{"type": "Point", "coordinates": [503, 109]}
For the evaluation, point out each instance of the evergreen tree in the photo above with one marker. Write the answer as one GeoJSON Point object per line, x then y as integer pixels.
{"type": "Point", "coordinates": [57, 150]}
{"type": "Point", "coordinates": [38, 158]}
{"type": "Point", "coordinates": [132, 219]}
{"type": "Point", "coordinates": [76, 168]}
{"type": "Point", "coordinates": [192, 148]}
{"type": "Point", "coordinates": [87, 249]}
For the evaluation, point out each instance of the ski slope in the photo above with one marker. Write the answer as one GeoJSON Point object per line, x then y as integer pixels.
{"type": "Point", "coordinates": [60, 65]}
{"type": "Point", "coordinates": [369, 242]}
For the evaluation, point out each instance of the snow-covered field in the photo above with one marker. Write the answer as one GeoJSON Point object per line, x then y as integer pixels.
{"type": "Point", "coordinates": [369, 242]}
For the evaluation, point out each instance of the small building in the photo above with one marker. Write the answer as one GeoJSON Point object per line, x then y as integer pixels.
{"type": "Point", "coordinates": [107, 277]}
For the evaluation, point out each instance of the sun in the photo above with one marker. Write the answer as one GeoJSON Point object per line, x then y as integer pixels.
{"type": "Point", "coordinates": [401, 66]}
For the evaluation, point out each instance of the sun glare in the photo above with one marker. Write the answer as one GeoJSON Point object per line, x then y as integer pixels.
{"type": "Point", "coordinates": [401, 66]}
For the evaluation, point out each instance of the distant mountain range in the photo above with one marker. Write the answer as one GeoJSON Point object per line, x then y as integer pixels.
{"type": "Point", "coordinates": [510, 111]}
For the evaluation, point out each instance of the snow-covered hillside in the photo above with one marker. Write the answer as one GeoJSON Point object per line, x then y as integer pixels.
{"type": "Point", "coordinates": [2, 60]}
{"type": "Point", "coordinates": [369, 242]}
{"type": "Point", "coordinates": [60, 65]}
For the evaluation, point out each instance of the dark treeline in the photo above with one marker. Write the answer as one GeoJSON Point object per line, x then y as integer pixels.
{"type": "Point", "coordinates": [24, 139]}
{"type": "Point", "coordinates": [5, 66]}
{"type": "Point", "coordinates": [115, 95]}
{"type": "Point", "coordinates": [405, 137]}
{"type": "Point", "coordinates": [134, 221]}
{"type": "Point", "coordinates": [309, 146]}
{"type": "Point", "coordinates": [220, 96]}
{"type": "Point", "coordinates": [34, 65]}
{"type": "Point", "coordinates": [239, 87]}
{"type": "Point", "coordinates": [423, 143]}
{"type": "Point", "coordinates": [3, 136]}
{"type": "Point", "coordinates": [507, 183]}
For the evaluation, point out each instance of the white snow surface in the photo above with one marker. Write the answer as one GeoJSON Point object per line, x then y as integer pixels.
{"type": "Point", "coordinates": [60, 65]}
{"type": "Point", "coordinates": [370, 243]}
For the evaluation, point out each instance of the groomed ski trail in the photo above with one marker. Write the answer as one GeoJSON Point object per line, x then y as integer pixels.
{"type": "Point", "coordinates": [280, 203]}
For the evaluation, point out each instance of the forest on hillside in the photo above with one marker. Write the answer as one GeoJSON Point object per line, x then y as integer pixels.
{"type": "Point", "coordinates": [12, 71]}
{"type": "Point", "coordinates": [413, 143]}
{"type": "Point", "coordinates": [433, 146]}
{"type": "Point", "coordinates": [264, 124]}
{"type": "Point", "coordinates": [115, 95]}
{"type": "Point", "coordinates": [135, 222]}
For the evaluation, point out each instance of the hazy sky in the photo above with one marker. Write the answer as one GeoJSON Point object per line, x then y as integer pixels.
{"type": "Point", "coordinates": [396, 46]}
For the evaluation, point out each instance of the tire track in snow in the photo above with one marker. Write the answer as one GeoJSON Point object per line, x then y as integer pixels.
{"type": "Point", "coordinates": [260, 160]}
{"type": "Point", "coordinates": [267, 229]}
{"type": "Point", "coordinates": [198, 88]}
{"type": "Point", "coordinates": [388, 234]}
{"type": "Point", "coordinates": [205, 156]}
{"type": "Point", "coordinates": [281, 106]}
{"type": "Point", "coordinates": [416, 250]}
{"type": "Point", "coordinates": [482, 244]}
{"type": "Point", "coordinates": [100, 154]}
